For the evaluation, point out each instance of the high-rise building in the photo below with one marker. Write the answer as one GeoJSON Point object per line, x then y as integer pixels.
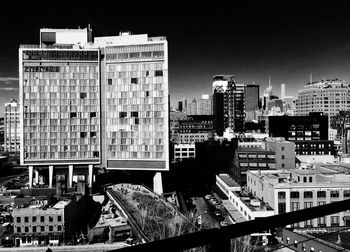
{"type": "Point", "coordinates": [180, 107]}
{"type": "Point", "coordinates": [2, 133]}
{"type": "Point", "coordinates": [283, 91]}
{"type": "Point", "coordinates": [239, 108]}
{"type": "Point", "coordinates": [251, 97]}
{"type": "Point", "coordinates": [329, 97]}
{"type": "Point", "coordinates": [12, 128]}
{"type": "Point", "coordinates": [85, 104]}
{"type": "Point", "coordinates": [184, 104]}
{"type": "Point", "coordinates": [192, 107]}
{"type": "Point", "coordinates": [205, 105]}
{"type": "Point", "coordinates": [223, 102]}
{"type": "Point", "coordinates": [228, 104]}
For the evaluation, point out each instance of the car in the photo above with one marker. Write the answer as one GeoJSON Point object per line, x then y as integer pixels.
{"type": "Point", "coordinates": [208, 196]}
{"type": "Point", "coordinates": [214, 201]}
{"type": "Point", "coordinates": [223, 223]}
{"type": "Point", "coordinates": [217, 213]}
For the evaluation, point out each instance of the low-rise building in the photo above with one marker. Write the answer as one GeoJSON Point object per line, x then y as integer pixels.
{"type": "Point", "coordinates": [292, 190]}
{"type": "Point", "coordinates": [301, 241]}
{"type": "Point", "coordinates": [251, 158]}
{"type": "Point", "coordinates": [247, 205]}
{"type": "Point", "coordinates": [184, 151]}
{"type": "Point", "coordinates": [284, 152]}
{"type": "Point", "coordinates": [39, 223]}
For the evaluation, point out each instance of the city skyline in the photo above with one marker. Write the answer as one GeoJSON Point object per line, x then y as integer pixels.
{"type": "Point", "coordinates": [286, 42]}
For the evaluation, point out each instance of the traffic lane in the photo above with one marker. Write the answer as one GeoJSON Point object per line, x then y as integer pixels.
{"type": "Point", "coordinates": [209, 219]}
{"type": "Point", "coordinates": [215, 204]}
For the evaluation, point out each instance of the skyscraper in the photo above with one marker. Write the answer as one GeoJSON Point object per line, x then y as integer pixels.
{"type": "Point", "coordinates": [85, 104]}
{"type": "Point", "coordinates": [205, 105]}
{"type": "Point", "coordinates": [12, 128]}
{"type": "Point", "coordinates": [223, 102]}
{"type": "Point", "coordinates": [283, 91]}
{"type": "Point", "coordinates": [251, 97]}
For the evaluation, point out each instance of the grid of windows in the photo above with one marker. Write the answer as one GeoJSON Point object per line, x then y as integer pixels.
{"type": "Point", "coordinates": [61, 103]}
{"type": "Point", "coordinates": [136, 110]}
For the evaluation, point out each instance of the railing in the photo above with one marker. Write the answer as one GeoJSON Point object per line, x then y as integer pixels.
{"type": "Point", "coordinates": [219, 239]}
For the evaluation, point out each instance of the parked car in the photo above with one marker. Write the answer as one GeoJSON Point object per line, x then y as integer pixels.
{"type": "Point", "coordinates": [223, 223]}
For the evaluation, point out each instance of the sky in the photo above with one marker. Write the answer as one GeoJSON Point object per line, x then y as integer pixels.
{"type": "Point", "coordinates": [253, 40]}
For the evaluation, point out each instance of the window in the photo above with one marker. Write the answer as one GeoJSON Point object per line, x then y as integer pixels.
{"type": "Point", "coordinates": [294, 206]}
{"type": "Point", "coordinates": [122, 114]}
{"type": "Point", "coordinates": [282, 148]}
{"type": "Point", "coordinates": [321, 194]}
{"type": "Point", "coordinates": [281, 208]}
{"type": "Point", "coordinates": [92, 114]}
{"type": "Point", "coordinates": [305, 179]}
{"type": "Point", "coordinates": [310, 179]}
{"type": "Point", "coordinates": [147, 93]}
{"type": "Point", "coordinates": [158, 73]}
{"type": "Point", "coordinates": [42, 228]}
{"type": "Point", "coordinates": [281, 195]}
{"type": "Point", "coordinates": [109, 81]}
{"type": "Point", "coordinates": [73, 115]}
{"type": "Point", "coordinates": [308, 194]}
{"type": "Point", "coordinates": [93, 134]}
{"type": "Point", "coordinates": [334, 221]}
{"type": "Point", "coordinates": [346, 193]}
{"type": "Point", "coordinates": [282, 156]}
{"type": "Point", "coordinates": [83, 95]}
{"type": "Point", "coordinates": [18, 219]}
{"type": "Point", "coordinates": [34, 229]}
{"type": "Point", "coordinates": [283, 165]}
{"type": "Point", "coordinates": [294, 195]}
{"type": "Point", "coordinates": [26, 229]}
{"type": "Point", "coordinates": [50, 219]}
{"type": "Point", "coordinates": [26, 219]}
{"type": "Point", "coordinates": [134, 114]}
{"type": "Point", "coordinates": [50, 228]}
{"type": "Point", "coordinates": [134, 81]}
{"type": "Point", "coordinates": [334, 194]}
{"type": "Point", "coordinates": [34, 219]}
{"type": "Point", "coordinates": [307, 205]}
{"type": "Point", "coordinates": [83, 134]}
{"type": "Point", "coordinates": [18, 229]}
{"type": "Point", "coordinates": [321, 222]}
{"type": "Point", "coordinates": [42, 218]}
{"type": "Point", "coordinates": [96, 155]}
{"type": "Point", "coordinates": [59, 228]}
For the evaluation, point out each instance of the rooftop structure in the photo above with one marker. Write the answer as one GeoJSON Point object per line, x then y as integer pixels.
{"type": "Point", "coordinates": [291, 190]}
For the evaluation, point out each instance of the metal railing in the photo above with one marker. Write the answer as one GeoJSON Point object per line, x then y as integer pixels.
{"type": "Point", "coordinates": [219, 239]}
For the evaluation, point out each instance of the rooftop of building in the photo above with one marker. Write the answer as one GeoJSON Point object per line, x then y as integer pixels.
{"type": "Point", "coordinates": [323, 175]}
{"type": "Point", "coordinates": [329, 239]}
{"type": "Point", "coordinates": [254, 149]}
{"type": "Point", "coordinates": [110, 220]}
{"type": "Point", "coordinates": [253, 203]}
{"type": "Point", "coordinates": [63, 39]}
{"type": "Point", "coordinates": [228, 180]}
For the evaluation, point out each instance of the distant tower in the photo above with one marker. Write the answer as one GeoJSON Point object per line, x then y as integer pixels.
{"type": "Point", "coordinates": [283, 91]}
